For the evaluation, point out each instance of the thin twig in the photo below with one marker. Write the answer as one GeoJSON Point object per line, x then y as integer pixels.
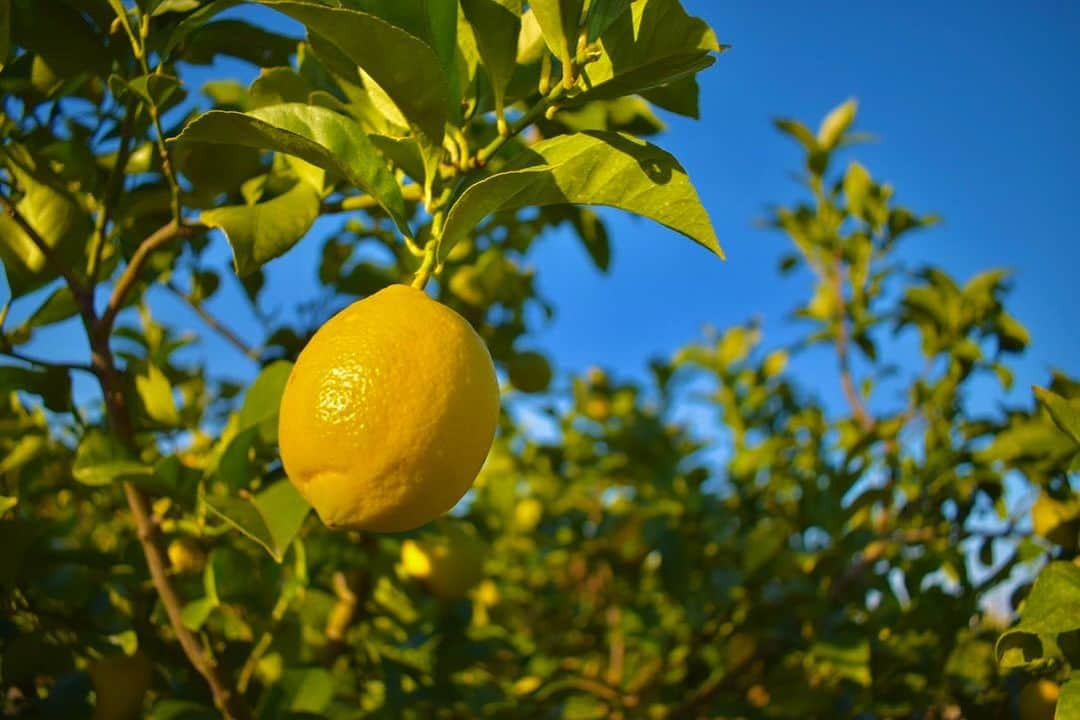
{"type": "Point", "coordinates": [113, 186]}
{"type": "Point", "coordinates": [485, 153]}
{"type": "Point", "coordinates": [854, 399]}
{"type": "Point", "coordinates": [213, 323]}
{"type": "Point", "coordinates": [16, 355]}
{"type": "Point", "coordinates": [160, 238]}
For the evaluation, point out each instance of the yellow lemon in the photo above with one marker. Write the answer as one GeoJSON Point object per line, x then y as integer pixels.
{"type": "Point", "coordinates": [1038, 700]}
{"type": "Point", "coordinates": [388, 413]}
{"type": "Point", "coordinates": [120, 684]}
{"type": "Point", "coordinates": [449, 566]}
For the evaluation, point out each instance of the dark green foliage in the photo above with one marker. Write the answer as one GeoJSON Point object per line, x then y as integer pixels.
{"type": "Point", "coordinates": [831, 561]}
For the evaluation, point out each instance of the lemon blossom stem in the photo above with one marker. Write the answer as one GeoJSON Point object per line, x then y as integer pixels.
{"type": "Point", "coordinates": [485, 153]}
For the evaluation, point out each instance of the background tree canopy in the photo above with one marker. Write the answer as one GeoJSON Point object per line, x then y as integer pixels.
{"type": "Point", "coordinates": [716, 541]}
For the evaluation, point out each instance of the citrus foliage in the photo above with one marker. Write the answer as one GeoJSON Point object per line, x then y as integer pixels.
{"type": "Point", "coordinates": [832, 560]}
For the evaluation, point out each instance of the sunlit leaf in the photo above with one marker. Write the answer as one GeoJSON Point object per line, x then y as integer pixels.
{"type": "Point", "coordinates": [319, 136]}
{"type": "Point", "coordinates": [156, 394]}
{"type": "Point", "coordinates": [260, 408]}
{"type": "Point", "coordinates": [497, 24]}
{"type": "Point", "coordinates": [101, 459]}
{"type": "Point", "coordinates": [1065, 412]}
{"type": "Point", "coordinates": [589, 169]}
{"type": "Point", "coordinates": [403, 65]}
{"type": "Point", "coordinates": [259, 233]}
{"type": "Point", "coordinates": [272, 518]}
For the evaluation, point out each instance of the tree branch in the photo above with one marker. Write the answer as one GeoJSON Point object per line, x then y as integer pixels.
{"type": "Point", "coordinates": [113, 187]}
{"type": "Point", "coordinates": [213, 323]}
{"type": "Point", "coordinates": [227, 700]}
{"type": "Point", "coordinates": [15, 355]}
{"type": "Point", "coordinates": [160, 238]}
{"type": "Point", "coordinates": [851, 393]}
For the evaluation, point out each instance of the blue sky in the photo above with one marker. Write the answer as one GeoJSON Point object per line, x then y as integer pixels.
{"type": "Point", "coordinates": [974, 113]}
{"type": "Point", "coordinates": [974, 110]}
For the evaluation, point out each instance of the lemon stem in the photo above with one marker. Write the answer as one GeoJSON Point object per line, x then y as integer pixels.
{"type": "Point", "coordinates": [426, 268]}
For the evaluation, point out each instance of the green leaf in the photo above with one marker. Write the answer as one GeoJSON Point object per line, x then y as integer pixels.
{"type": "Point", "coordinates": [857, 186]}
{"type": "Point", "coordinates": [101, 459]}
{"type": "Point", "coordinates": [848, 658]}
{"type": "Point", "coordinates": [272, 518]}
{"type": "Point", "coordinates": [61, 36]}
{"type": "Point", "coordinates": [656, 44]}
{"type": "Point", "coordinates": [1068, 703]}
{"type": "Point", "coordinates": [181, 6]}
{"type": "Point", "coordinates": [594, 236]}
{"type": "Point", "coordinates": [195, 613]}
{"type": "Point", "coordinates": [497, 24]}
{"type": "Point", "coordinates": [559, 21]}
{"type": "Point", "coordinates": [835, 124]}
{"type": "Point", "coordinates": [442, 36]}
{"type": "Point", "coordinates": [58, 306]}
{"type": "Point", "coordinates": [319, 136]}
{"type": "Point", "coordinates": [25, 450]}
{"type": "Point", "coordinates": [154, 89]}
{"type": "Point", "coordinates": [236, 38]}
{"type": "Point", "coordinates": [1051, 609]}
{"type": "Point", "coordinates": [262, 232]}
{"type": "Point", "coordinates": [7, 502]}
{"type": "Point", "coordinates": [407, 68]}
{"type": "Point", "coordinates": [1065, 412]}
{"type": "Point", "coordinates": [260, 408]}
{"type": "Point", "coordinates": [156, 394]}
{"type": "Point", "coordinates": [602, 13]}
{"type": "Point", "coordinates": [1053, 606]}
{"type": "Point", "coordinates": [181, 710]}
{"type": "Point", "coordinates": [276, 86]}
{"type": "Point", "coordinates": [1012, 335]}
{"type": "Point", "coordinates": [590, 169]}
{"type": "Point", "coordinates": [404, 153]}
{"type": "Point", "coordinates": [5, 32]}
{"type": "Point", "coordinates": [679, 96]}
{"type": "Point", "coordinates": [800, 132]}
{"type": "Point", "coordinates": [309, 690]}
{"type": "Point", "coordinates": [234, 468]}
{"type": "Point", "coordinates": [51, 211]}
{"type": "Point", "coordinates": [52, 385]}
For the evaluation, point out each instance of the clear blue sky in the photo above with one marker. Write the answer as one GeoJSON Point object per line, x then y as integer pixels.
{"type": "Point", "coordinates": [975, 108]}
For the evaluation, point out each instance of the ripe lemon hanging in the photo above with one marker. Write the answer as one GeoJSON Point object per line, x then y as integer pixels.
{"type": "Point", "coordinates": [388, 413]}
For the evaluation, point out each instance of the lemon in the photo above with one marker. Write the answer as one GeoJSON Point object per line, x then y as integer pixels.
{"type": "Point", "coordinates": [1038, 700]}
{"type": "Point", "coordinates": [448, 565]}
{"type": "Point", "coordinates": [389, 412]}
{"type": "Point", "coordinates": [529, 372]}
{"type": "Point", "coordinates": [120, 684]}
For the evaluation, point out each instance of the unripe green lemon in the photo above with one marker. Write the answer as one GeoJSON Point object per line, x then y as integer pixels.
{"type": "Point", "coordinates": [529, 372]}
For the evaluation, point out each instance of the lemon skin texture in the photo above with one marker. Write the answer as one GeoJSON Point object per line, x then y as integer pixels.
{"type": "Point", "coordinates": [389, 413]}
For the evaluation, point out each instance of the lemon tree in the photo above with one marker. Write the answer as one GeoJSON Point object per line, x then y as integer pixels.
{"type": "Point", "coordinates": [160, 557]}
